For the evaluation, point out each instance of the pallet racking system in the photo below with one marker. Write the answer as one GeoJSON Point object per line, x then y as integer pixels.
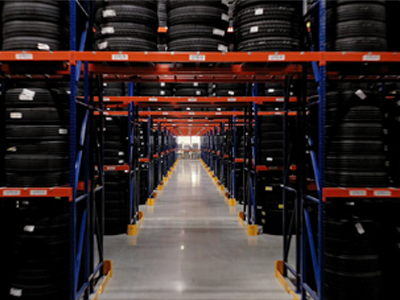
{"type": "Point", "coordinates": [203, 67]}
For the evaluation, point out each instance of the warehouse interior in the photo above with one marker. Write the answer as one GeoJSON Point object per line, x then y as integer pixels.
{"type": "Point", "coordinates": [199, 149]}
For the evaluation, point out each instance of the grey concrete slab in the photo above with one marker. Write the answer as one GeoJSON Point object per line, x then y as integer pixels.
{"type": "Point", "coordinates": [191, 246]}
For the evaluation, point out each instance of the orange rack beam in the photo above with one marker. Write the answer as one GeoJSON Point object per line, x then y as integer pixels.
{"type": "Point", "coordinates": [117, 168]}
{"type": "Point", "coordinates": [36, 192]}
{"type": "Point", "coordinates": [360, 193]}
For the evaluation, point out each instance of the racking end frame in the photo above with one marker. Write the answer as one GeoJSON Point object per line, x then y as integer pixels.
{"type": "Point", "coordinates": [108, 273]}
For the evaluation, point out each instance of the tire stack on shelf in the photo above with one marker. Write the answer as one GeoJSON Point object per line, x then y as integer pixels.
{"type": "Point", "coordinates": [37, 136]}
{"type": "Point", "coordinates": [362, 254]}
{"type": "Point", "coordinates": [116, 183]}
{"type": "Point", "coordinates": [197, 25]}
{"type": "Point", "coordinates": [356, 26]}
{"type": "Point", "coordinates": [269, 184]}
{"type": "Point", "coordinates": [126, 25]}
{"type": "Point", "coordinates": [37, 244]}
{"type": "Point", "coordinates": [229, 90]}
{"type": "Point", "coordinates": [143, 167]}
{"type": "Point", "coordinates": [115, 89]}
{"type": "Point", "coordinates": [154, 89]}
{"type": "Point", "coordinates": [191, 89]}
{"type": "Point", "coordinates": [35, 25]}
{"type": "Point", "coordinates": [355, 137]}
{"type": "Point", "coordinates": [267, 25]}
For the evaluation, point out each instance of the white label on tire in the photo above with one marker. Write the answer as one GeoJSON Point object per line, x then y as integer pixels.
{"type": "Point", "coordinates": [277, 57]}
{"type": "Point", "coordinates": [121, 153]}
{"type": "Point", "coordinates": [195, 84]}
{"type": "Point", "coordinates": [162, 93]}
{"type": "Point", "coordinates": [12, 149]}
{"type": "Point", "coordinates": [63, 131]}
{"type": "Point", "coordinates": [120, 57]}
{"type": "Point", "coordinates": [270, 159]}
{"type": "Point", "coordinates": [29, 228]}
{"type": "Point", "coordinates": [225, 2]}
{"type": "Point", "coordinates": [43, 47]}
{"type": "Point", "coordinates": [162, 84]}
{"type": "Point", "coordinates": [219, 32]}
{"type": "Point", "coordinates": [231, 93]}
{"type": "Point", "coordinates": [259, 11]}
{"type": "Point", "coordinates": [15, 115]}
{"type": "Point", "coordinates": [108, 119]}
{"type": "Point", "coordinates": [38, 193]}
{"type": "Point", "coordinates": [198, 93]}
{"type": "Point", "coordinates": [254, 29]}
{"type": "Point", "coordinates": [108, 30]}
{"type": "Point", "coordinates": [102, 45]}
{"type": "Point", "coordinates": [358, 193]}
{"type": "Point", "coordinates": [225, 17]}
{"type": "Point", "coordinates": [109, 13]}
{"type": "Point", "coordinates": [360, 228]}
{"type": "Point", "coordinates": [16, 292]}
{"type": "Point", "coordinates": [24, 56]}
{"type": "Point", "coordinates": [360, 94]}
{"type": "Point", "coordinates": [222, 48]}
{"type": "Point", "coordinates": [12, 193]}
{"type": "Point", "coordinates": [27, 95]}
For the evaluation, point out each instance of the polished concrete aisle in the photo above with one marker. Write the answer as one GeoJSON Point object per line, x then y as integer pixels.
{"type": "Point", "coordinates": [192, 247]}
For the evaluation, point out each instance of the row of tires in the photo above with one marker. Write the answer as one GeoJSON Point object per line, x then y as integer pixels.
{"type": "Point", "coordinates": [200, 26]}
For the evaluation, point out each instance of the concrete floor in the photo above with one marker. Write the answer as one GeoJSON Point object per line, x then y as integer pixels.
{"type": "Point", "coordinates": [191, 246]}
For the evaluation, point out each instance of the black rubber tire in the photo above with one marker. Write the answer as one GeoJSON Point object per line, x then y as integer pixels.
{"type": "Point", "coordinates": [33, 43]}
{"type": "Point", "coordinates": [37, 179]}
{"type": "Point", "coordinates": [269, 44]}
{"type": "Point", "coordinates": [194, 30]}
{"type": "Point", "coordinates": [356, 263]}
{"type": "Point", "coordinates": [355, 146]}
{"type": "Point", "coordinates": [351, 130]}
{"type": "Point", "coordinates": [274, 11]}
{"type": "Point", "coordinates": [125, 44]}
{"type": "Point", "coordinates": [355, 179]}
{"type": "Point", "coordinates": [172, 4]}
{"type": "Point", "coordinates": [229, 93]}
{"type": "Point", "coordinates": [37, 132]}
{"type": "Point", "coordinates": [36, 115]}
{"type": "Point", "coordinates": [357, 28]}
{"type": "Point", "coordinates": [125, 29]}
{"type": "Point", "coordinates": [127, 13]}
{"type": "Point", "coordinates": [42, 97]}
{"type": "Point", "coordinates": [111, 160]}
{"type": "Point", "coordinates": [198, 44]}
{"type": "Point", "coordinates": [44, 147]}
{"type": "Point", "coordinates": [151, 4]}
{"type": "Point", "coordinates": [34, 28]}
{"type": "Point", "coordinates": [361, 11]}
{"type": "Point", "coordinates": [361, 44]}
{"type": "Point", "coordinates": [353, 279]}
{"type": "Point", "coordinates": [199, 14]}
{"type": "Point", "coordinates": [31, 11]}
{"type": "Point", "coordinates": [36, 162]}
{"type": "Point", "coordinates": [267, 29]}
{"type": "Point", "coordinates": [154, 92]}
{"type": "Point", "coordinates": [362, 162]}
{"type": "Point", "coordinates": [190, 92]}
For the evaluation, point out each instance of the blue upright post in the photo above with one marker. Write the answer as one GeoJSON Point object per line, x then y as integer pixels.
{"type": "Point", "coordinates": [149, 155]}
{"type": "Point", "coordinates": [322, 105]}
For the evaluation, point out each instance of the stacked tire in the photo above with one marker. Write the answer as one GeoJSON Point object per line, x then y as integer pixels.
{"type": "Point", "coordinates": [154, 89]}
{"type": "Point", "coordinates": [35, 25]}
{"type": "Point", "coordinates": [116, 183]}
{"type": "Point", "coordinates": [229, 90]}
{"type": "Point", "coordinates": [355, 137]}
{"type": "Point", "coordinates": [357, 25]}
{"type": "Point", "coordinates": [37, 136]}
{"type": "Point", "coordinates": [126, 25]}
{"type": "Point", "coordinates": [197, 25]}
{"type": "Point", "coordinates": [270, 143]}
{"type": "Point", "coordinates": [144, 183]}
{"type": "Point", "coordinates": [267, 25]}
{"type": "Point", "coordinates": [37, 245]}
{"type": "Point", "coordinates": [191, 89]}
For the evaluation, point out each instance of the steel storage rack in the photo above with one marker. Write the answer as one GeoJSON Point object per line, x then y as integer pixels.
{"type": "Point", "coordinates": [84, 193]}
{"type": "Point", "coordinates": [312, 196]}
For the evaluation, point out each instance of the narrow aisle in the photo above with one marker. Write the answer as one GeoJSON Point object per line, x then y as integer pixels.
{"type": "Point", "coordinates": [192, 247]}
